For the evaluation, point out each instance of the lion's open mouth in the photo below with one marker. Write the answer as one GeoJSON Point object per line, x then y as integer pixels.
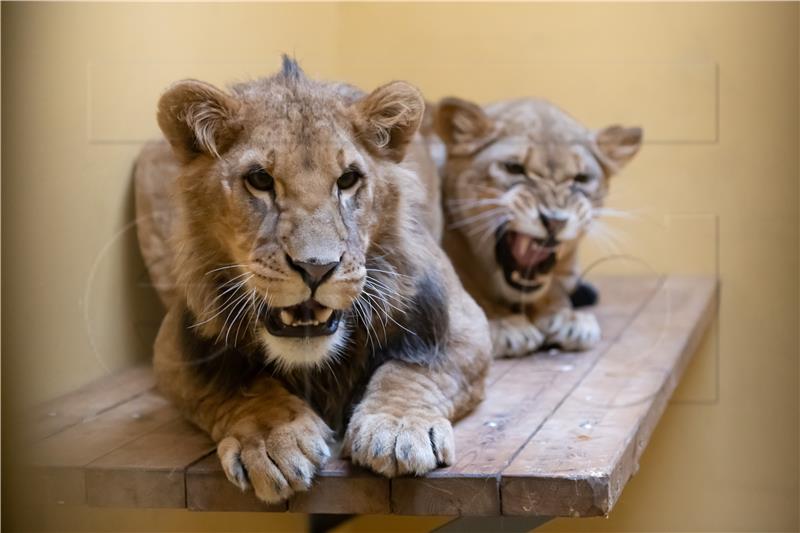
{"type": "Point", "coordinates": [523, 258]}
{"type": "Point", "coordinates": [307, 319]}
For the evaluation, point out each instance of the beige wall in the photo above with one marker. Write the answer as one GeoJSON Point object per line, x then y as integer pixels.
{"type": "Point", "coordinates": [715, 190]}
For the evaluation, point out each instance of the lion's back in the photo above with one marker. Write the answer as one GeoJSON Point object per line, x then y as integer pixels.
{"type": "Point", "coordinates": [154, 177]}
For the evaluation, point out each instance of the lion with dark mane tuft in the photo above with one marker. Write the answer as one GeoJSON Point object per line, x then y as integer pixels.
{"type": "Point", "coordinates": [291, 229]}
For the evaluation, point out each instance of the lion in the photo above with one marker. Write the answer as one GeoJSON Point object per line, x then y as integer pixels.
{"type": "Point", "coordinates": [292, 225]}
{"type": "Point", "coordinates": [523, 182]}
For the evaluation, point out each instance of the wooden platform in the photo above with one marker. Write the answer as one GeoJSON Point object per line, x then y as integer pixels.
{"type": "Point", "coordinates": [559, 434]}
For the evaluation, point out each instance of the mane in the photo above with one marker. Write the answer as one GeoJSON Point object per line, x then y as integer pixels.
{"type": "Point", "coordinates": [290, 69]}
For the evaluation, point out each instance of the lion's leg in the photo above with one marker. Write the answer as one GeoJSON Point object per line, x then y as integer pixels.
{"type": "Point", "coordinates": [514, 336]}
{"type": "Point", "coordinates": [403, 425]}
{"type": "Point", "coordinates": [563, 326]}
{"type": "Point", "coordinates": [570, 329]}
{"type": "Point", "coordinates": [266, 437]}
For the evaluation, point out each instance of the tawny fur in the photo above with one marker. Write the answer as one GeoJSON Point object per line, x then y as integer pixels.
{"type": "Point", "coordinates": [483, 200]}
{"type": "Point", "coordinates": [409, 358]}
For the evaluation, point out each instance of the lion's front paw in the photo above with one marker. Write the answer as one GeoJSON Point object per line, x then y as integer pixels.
{"type": "Point", "coordinates": [276, 461]}
{"type": "Point", "coordinates": [515, 336]}
{"type": "Point", "coordinates": [396, 445]}
{"type": "Point", "coordinates": [572, 330]}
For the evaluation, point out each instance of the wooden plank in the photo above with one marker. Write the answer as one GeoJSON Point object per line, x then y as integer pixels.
{"type": "Point", "coordinates": [207, 489]}
{"type": "Point", "coordinates": [148, 471]}
{"type": "Point", "coordinates": [341, 487]}
{"type": "Point", "coordinates": [59, 460]}
{"type": "Point", "coordinates": [616, 292]}
{"type": "Point", "coordinates": [56, 415]}
{"type": "Point", "coordinates": [516, 405]}
{"type": "Point", "coordinates": [581, 458]}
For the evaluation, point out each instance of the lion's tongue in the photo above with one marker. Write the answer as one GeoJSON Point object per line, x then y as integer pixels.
{"type": "Point", "coordinates": [526, 252]}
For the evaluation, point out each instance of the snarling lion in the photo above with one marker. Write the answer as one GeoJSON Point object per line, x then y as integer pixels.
{"type": "Point", "coordinates": [523, 182]}
{"type": "Point", "coordinates": [291, 228]}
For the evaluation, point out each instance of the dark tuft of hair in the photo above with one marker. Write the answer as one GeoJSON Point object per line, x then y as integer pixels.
{"type": "Point", "coordinates": [290, 69]}
{"type": "Point", "coordinates": [584, 295]}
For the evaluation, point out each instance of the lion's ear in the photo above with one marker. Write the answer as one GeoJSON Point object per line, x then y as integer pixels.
{"type": "Point", "coordinates": [389, 117]}
{"type": "Point", "coordinates": [617, 145]}
{"type": "Point", "coordinates": [197, 118]}
{"type": "Point", "coordinates": [463, 126]}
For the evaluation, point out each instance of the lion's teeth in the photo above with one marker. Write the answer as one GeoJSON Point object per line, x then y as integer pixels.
{"type": "Point", "coordinates": [324, 314]}
{"type": "Point", "coordinates": [516, 277]}
{"type": "Point", "coordinates": [320, 316]}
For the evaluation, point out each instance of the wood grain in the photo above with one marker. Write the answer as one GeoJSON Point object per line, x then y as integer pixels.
{"type": "Point", "coordinates": [558, 434]}
{"type": "Point", "coordinates": [341, 487]}
{"type": "Point", "coordinates": [148, 471]}
{"type": "Point", "coordinates": [50, 417]}
{"type": "Point", "coordinates": [207, 489]}
{"type": "Point", "coordinates": [59, 461]}
{"type": "Point", "coordinates": [581, 458]}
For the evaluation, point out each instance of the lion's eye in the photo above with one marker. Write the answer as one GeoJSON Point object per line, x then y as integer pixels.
{"type": "Point", "coordinates": [348, 179]}
{"type": "Point", "coordinates": [582, 178]}
{"type": "Point", "coordinates": [513, 167]}
{"type": "Point", "coordinates": [260, 179]}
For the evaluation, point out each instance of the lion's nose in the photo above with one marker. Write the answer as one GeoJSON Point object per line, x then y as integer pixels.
{"type": "Point", "coordinates": [553, 224]}
{"type": "Point", "coordinates": [313, 270]}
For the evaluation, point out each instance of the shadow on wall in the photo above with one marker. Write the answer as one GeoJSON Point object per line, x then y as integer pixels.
{"type": "Point", "coordinates": [146, 310]}
{"type": "Point", "coordinates": [118, 272]}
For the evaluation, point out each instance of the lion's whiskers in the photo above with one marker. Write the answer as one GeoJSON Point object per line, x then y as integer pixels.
{"type": "Point", "coordinates": [605, 234]}
{"type": "Point", "coordinates": [241, 306]}
{"type": "Point", "coordinates": [232, 288]}
{"type": "Point", "coordinates": [383, 296]}
{"type": "Point", "coordinates": [613, 213]}
{"type": "Point", "coordinates": [233, 307]}
{"type": "Point", "coordinates": [224, 268]}
{"type": "Point", "coordinates": [366, 318]}
{"type": "Point", "coordinates": [490, 189]}
{"type": "Point", "coordinates": [400, 299]}
{"type": "Point", "coordinates": [232, 298]}
{"type": "Point", "coordinates": [389, 272]}
{"type": "Point", "coordinates": [490, 228]}
{"type": "Point", "coordinates": [459, 206]}
{"type": "Point", "coordinates": [250, 306]}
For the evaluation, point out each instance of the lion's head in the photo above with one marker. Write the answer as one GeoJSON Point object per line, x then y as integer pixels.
{"type": "Point", "coordinates": [522, 182]}
{"type": "Point", "coordinates": [292, 196]}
